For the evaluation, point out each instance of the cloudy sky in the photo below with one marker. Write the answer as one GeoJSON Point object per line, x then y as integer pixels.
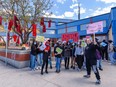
{"type": "Point", "coordinates": [68, 9]}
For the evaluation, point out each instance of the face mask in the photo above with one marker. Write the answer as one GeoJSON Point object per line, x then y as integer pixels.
{"type": "Point", "coordinates": [34, 43]}
{"type": "Point", "coordinates": [47, 44]}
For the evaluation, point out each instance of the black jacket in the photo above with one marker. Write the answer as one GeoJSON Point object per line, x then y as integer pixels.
{"type": "Point", "coordinates": [90, 54]}
{"type": "Point", "coordinates": [58, 55]}
{"type": "Point", "coordinates": [33, 50]}
{"type": "Point", "coordinates": [46, 54]}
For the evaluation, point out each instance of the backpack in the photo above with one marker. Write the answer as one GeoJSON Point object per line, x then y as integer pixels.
{"type": "Point", "coordinates": [98, 56]}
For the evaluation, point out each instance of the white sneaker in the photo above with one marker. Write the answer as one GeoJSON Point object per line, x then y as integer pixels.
{"type": "Point", "coordinates": [37, 68]}
{"type": "Point", "coordinates": [98, 82]}
{"type": "Point", "coordinates": [40, 67]}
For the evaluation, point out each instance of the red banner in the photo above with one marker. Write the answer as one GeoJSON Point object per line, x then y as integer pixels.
{"type": "Point", "coordinates": [0, 20]}
{"type": "Point", "coordinates": [34, 26]}
{"type": "Point", "coordinates": [10, 25]}
{"type": "Point", "coordinates": [44, 28]}
{"type": "Point", "coordinates": [70, 36]}
{"type": "Point", "coordinates": [49, 23]}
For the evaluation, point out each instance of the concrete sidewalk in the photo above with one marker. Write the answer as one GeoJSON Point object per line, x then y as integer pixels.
{"type": "Point", "coordinates": [12, 77]}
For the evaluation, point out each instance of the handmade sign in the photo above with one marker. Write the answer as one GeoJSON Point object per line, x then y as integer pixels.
{"type": "Point", "coordinates": [58, 50]}
{"type": "Point", "coordinates": [103, 44]}
{"type": "Point", "coordinates": [95, 27]}
{"type": "Point", "coordinates": [40, 38]}
{"type": "Point", "coordinates": [42, 47]}
{"type": "Point", "coordinates": [70, 36]}
{"type": "Point", "coordinates": [83, 44]}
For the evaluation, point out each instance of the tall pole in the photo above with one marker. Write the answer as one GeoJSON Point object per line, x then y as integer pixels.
{"type": "Point", "coordinates": [6, 28]}
{"type": "Point", "coordinates": [66, 27]}
{"type": "Point", "coordinates": [78, 11]}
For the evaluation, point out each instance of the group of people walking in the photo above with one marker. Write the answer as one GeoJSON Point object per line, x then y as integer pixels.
{"type": "Point", "coordinates": [88, 56]}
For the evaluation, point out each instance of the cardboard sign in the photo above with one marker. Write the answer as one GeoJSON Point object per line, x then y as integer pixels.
{"type": "Point", "coordinates": [95, 27]}
{"type": "Point", "coordinates": [58, 50]}
{"type": "Point", "coordinates": [40, 38]}
{"type": "Point", "coordinates": [70, 36]}
{"type": "Point", "coordinates": [42, 47]}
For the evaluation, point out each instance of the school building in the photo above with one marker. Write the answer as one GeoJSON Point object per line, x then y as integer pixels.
{"type": "Point", "coordinates": [62, 26]}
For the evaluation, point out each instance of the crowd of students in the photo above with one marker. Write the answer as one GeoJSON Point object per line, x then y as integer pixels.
{"type": "Point", "coordinates": [83, 54]}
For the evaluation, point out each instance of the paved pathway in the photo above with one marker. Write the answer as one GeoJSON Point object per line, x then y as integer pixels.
{"type": "Point", "coordinates": [12, 77]}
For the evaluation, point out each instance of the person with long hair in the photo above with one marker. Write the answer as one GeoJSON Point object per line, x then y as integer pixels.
{"type": "Point", "coordinates": [46, 55]}
{"type": "Point", "coordinates": [67, 55]}
{"type": "Point", "coordinates": [33, 55]}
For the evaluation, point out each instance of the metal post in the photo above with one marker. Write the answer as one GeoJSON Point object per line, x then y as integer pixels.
{"type": "Point", "coordinates": [6, 28]}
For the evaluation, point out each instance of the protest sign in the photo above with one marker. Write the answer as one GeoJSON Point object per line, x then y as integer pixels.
{"type": "Point", "coordinates": [70, 36]}
{"type": "Point", "coordinates": [40, 38]}
{"type": "Point", "coordinates": [58, 50]}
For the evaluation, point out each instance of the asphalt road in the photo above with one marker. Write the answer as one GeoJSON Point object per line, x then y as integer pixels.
{"type": "Point", "coordinates": [12, 77]}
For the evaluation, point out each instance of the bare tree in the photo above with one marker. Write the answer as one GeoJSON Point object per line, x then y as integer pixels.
{"type": "Point", "coordinates": [27, 13]}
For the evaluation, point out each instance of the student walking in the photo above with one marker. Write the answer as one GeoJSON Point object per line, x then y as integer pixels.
{"type": "Point", "coordinates": [91, 60]}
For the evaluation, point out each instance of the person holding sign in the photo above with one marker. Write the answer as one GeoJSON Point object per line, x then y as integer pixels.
{"type": "Point", "coordinates": [91, 59]}
{"type": "Point", "coordinates": [46, 55]}
{"type": "Point", "coordinates": [58, 54]}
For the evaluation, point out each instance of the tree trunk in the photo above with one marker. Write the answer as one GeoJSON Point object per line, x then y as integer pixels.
{"type": "Point", "coordinates": [24, 38]}
{"type": "Point", "coordinates": [3, 41]}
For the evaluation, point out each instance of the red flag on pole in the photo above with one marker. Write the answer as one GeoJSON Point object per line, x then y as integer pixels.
{"type": "Point", "coordinates": [34, 26]}
{"type": "Point", "coordinates": [44, 28]}
{"type": "Point", "coordinates": [10, 25]}
{"type": "Point", "coordinates": [49, 23]}
{"type": "Point", "coordinates": [0, 20]}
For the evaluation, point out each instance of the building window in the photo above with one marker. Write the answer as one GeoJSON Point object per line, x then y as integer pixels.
{"type": "Point", "coordinates": [72, 29]}
{"type": "Point", "coordinates": [50, 32]}
{"type": "Point", "coordinates": [84, 26]}
{"type": "Point", "coordinates": [61, 31]}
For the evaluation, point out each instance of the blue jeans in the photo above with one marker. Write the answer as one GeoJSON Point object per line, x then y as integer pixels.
{"type": "Point", "coordinates": [114, 58]}
{"type": "Point", "coordinates": [111, 56]}
{"type": "Point", "coordinates": [50, 62]}
{"type": "Point", "coordinates": [99, 63]}
{"type": "Point", "coordinates": [58, 62]}
{"type": "Point", "coordinates": [32, 61]}
{"type": "Point", "coordinates": [40, 59]}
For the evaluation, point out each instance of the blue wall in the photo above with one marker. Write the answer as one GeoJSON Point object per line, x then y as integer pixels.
{"type": "Point", "coordinates": [113, 18]}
